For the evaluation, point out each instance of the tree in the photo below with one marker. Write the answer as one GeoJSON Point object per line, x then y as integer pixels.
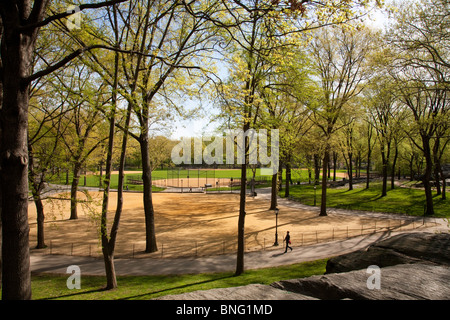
{"type": "Point", "coordinates": [170, 37]}
{"type": "Point", "coordinates": [84, 124]}
{"type": "Point", "coordinates": [340, 56]}
{"type": "Point", "coordinates": [21, 22]}
{"type": "Point", "coordinates": [383, 112]}
{"type": "Point", "coordinates": [420, 41]}
{"type": "Point", "coordinates": [254, 27]}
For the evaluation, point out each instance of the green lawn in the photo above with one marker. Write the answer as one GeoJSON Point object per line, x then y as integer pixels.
{"type": "Point", "coordinates": [399, 200]}
{"type": "Point", "coordinates": [46, 286]}
{"type": "Point", "coordinates": [94, 180]}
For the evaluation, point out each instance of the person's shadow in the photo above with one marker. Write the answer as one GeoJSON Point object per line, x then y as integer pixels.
{"type": "Point", "coordinates": [277, 254]}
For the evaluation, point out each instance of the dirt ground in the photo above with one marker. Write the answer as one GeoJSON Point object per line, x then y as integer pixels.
{"type": "Point", "coordinates": [193, 224]}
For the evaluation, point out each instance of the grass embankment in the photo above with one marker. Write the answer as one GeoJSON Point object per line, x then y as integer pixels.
{"type": "Point", "coordinates": [46, 286]}
{"type": "Point", "coordinates": [399, 200]}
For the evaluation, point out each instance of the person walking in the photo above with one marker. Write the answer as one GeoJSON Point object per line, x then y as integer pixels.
{"type": "Point", "coordinates": [288, 242]}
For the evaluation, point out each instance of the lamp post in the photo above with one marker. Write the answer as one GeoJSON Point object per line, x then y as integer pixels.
{"type": "Point", "coordinates": [276, 227]}
{"type": "Point", "coordinates": [181, 185]}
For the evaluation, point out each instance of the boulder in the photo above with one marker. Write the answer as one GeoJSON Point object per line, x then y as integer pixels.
{"type": "Point", "coordinates": [248, 292]}
{"type": "Point", "coordinates": [400, 282]}
{"type": "Point", "coordinates": [407, 248]}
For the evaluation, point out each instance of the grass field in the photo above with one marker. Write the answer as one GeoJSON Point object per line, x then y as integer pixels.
{"type": "Point", "coordinates": [45, 286]}
{"type": "Point", "coordinates": [399, 200]}
{"type": "Point", "coordinates": [93, 180]}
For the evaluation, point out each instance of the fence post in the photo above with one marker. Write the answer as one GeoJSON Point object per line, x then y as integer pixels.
{"type": "Point", "coordinates": [133, 251]}
{"type": "Point", "coordinates": [51, 246]}
{"type": "Point", "coordinates": [317, 239]}
{"type": "Point", "coordinates": [196, 252]}
{"type": "Point", "coordinates": [347, 232]}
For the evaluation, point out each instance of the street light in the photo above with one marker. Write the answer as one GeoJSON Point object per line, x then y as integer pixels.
{"type": "Point", "coordinates": [276, 227]}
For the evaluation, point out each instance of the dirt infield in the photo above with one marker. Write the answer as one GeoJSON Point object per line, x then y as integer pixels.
{"type": "Point", "coordinates": [195, 224]}
{"type": "Point", "coordinates": [195, 182]}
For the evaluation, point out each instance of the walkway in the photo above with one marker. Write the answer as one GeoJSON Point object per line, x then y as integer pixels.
{"type": "Point", "coordinates": [221, 263]}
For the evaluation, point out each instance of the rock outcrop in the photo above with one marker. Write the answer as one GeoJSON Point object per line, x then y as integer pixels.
{"type": "Point", "coordinates": [412, 266]}
{"type": "Point", "coordinates": [407, 248]}
{"type": "Point", "coordinates": [401, 282]}
{"type": "Point", "coordinates": [248, 292]}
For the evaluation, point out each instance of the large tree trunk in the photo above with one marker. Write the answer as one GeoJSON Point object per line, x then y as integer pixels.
{"type": "Point", "coordinates": [74, 190]}
{"type": "Point", "coordinates": [150, 235]}
{"type": "Point", "coordinates": [14, 170]}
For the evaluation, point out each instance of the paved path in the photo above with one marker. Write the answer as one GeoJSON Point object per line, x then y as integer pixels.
{"type": "Point", "coordinates": [220, 263]}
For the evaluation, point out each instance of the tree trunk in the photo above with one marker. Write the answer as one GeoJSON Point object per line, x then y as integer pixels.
{"type": "Point", "coordinates": [288, 178]}
{"type": "Point", "coordinates": [40, 220]}
{"type": "Point", "coordinates": [334, 164]}
{"type": "Point", "coordinates": [350, 171]}
{"type": "Point", "coordinates": [273, 198]}
{"type": "Point", "coordinates": [280, 178]}
{"type": "Point", "coordinates": [316, 168]}
{"type": "Point", "coordinates": [429, 210]}
{"type": "Point", "coordinates": [109, 244]}
{"type": "Point", "coordinates": [74, 190]}
{"type": "Point", "coordinates": [384, 171]}
{"type": "Point", "coordinates": [14, 173]}
{"type": "Point", "coordinates": [444, 187]}
{"type": "Point", "coordinates": [369, 155]}
{"type": "Point", "coordinates": [150, 235]}
{"type": "Point", "coordinates": [36, 186]}
{"type": "Point", "coordinates": [323, 204]}
{"type": "Point", "coordinates": [394, 163]}
{"type": "Point", "coordinates": [437, 166]}
{"type": "Point", "coordinates": [241, 222]}
{"type": "Point", "coordinates": [411, 170]}
{"type": "Point", "coordinates": [242, 203]}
